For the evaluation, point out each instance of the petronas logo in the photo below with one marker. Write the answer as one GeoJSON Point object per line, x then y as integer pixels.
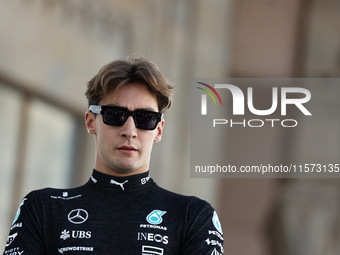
{"type": "Point", "coordinates": [19, 211]}
{"type": "Point", "coordinates": [217, 222]}
{"type": "Point", "coordinates": [155, 217]}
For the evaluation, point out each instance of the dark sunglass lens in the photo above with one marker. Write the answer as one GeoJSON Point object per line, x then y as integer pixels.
{"type": "Point", "coordinates": [115, 116]}
{"type": "Point", "coordinates": [146, 120]}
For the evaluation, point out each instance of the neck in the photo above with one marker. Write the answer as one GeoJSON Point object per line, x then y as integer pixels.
{"type": "Point", "coordinates": [119, 173]}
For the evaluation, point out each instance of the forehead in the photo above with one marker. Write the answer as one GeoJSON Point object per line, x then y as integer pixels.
{"type": "Point", "coordinates": [132, 96]}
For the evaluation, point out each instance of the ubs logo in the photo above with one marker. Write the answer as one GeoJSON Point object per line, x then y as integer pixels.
{"type": "Point", "coordinates": [78, 216]}
{"type": "Point", "coordinates": [65, 234]}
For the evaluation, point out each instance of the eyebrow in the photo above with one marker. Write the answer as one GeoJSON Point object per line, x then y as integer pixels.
{"type": "Point", "coordinates": [144, 108]}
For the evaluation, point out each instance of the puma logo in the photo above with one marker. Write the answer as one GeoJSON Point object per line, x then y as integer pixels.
{"type": "Point", "coordinates": [119, 184]}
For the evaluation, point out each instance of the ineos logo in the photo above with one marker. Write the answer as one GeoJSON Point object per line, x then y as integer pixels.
{"type": "Point", "coordinates": [78, 216]}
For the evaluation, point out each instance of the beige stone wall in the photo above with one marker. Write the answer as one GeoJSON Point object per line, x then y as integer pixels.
{"type": "Point", "coordinates": [50, 48]}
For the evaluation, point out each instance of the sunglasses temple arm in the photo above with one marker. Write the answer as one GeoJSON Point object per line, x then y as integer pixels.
{"type": "Point", "coordinates": [95, 108]}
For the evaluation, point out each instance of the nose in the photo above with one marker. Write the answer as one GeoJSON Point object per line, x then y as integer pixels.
{"type": "Point", "coordinates": [129, 129]}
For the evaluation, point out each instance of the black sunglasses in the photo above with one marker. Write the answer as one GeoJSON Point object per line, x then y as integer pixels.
{"type": "Point", "coordinates": [117, 116]}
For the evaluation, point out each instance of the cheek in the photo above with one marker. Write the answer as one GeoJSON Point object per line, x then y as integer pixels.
{"type": "Point", "coordinates": [105, 137]}
{"type": "Point", "coordinates": [148, 141]}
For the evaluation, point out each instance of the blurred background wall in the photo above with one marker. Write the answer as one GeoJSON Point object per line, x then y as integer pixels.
{"type": "Point", "coordinates": [50, 49]}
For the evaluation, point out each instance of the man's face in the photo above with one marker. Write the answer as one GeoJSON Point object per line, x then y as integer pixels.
{"type": "Point", "coordinates": [124, 150]}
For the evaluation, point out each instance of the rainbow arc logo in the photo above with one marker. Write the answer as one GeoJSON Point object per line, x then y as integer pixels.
{"type": "Point", "coordinates": [204, 97]}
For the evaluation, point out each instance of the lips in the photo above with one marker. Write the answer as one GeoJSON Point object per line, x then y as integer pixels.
{"type": "Point", "coordinates": [127, 149]}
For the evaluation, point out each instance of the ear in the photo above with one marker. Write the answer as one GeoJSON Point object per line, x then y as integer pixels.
{"type": "Point", "coordinates": [159, 131]}
{"type": "Point", "coordinates": [90, 123]}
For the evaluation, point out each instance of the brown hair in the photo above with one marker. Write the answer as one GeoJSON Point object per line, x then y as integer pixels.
{"type": "Point", "coordinates": [119, 72]}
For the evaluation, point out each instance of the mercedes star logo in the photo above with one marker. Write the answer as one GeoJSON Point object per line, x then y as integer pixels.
{"type": "Point", "coordinates": [78, 216]}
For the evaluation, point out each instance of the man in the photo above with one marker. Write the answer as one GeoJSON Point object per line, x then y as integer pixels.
{"type": "Point", "coordinates": [120, 210]}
